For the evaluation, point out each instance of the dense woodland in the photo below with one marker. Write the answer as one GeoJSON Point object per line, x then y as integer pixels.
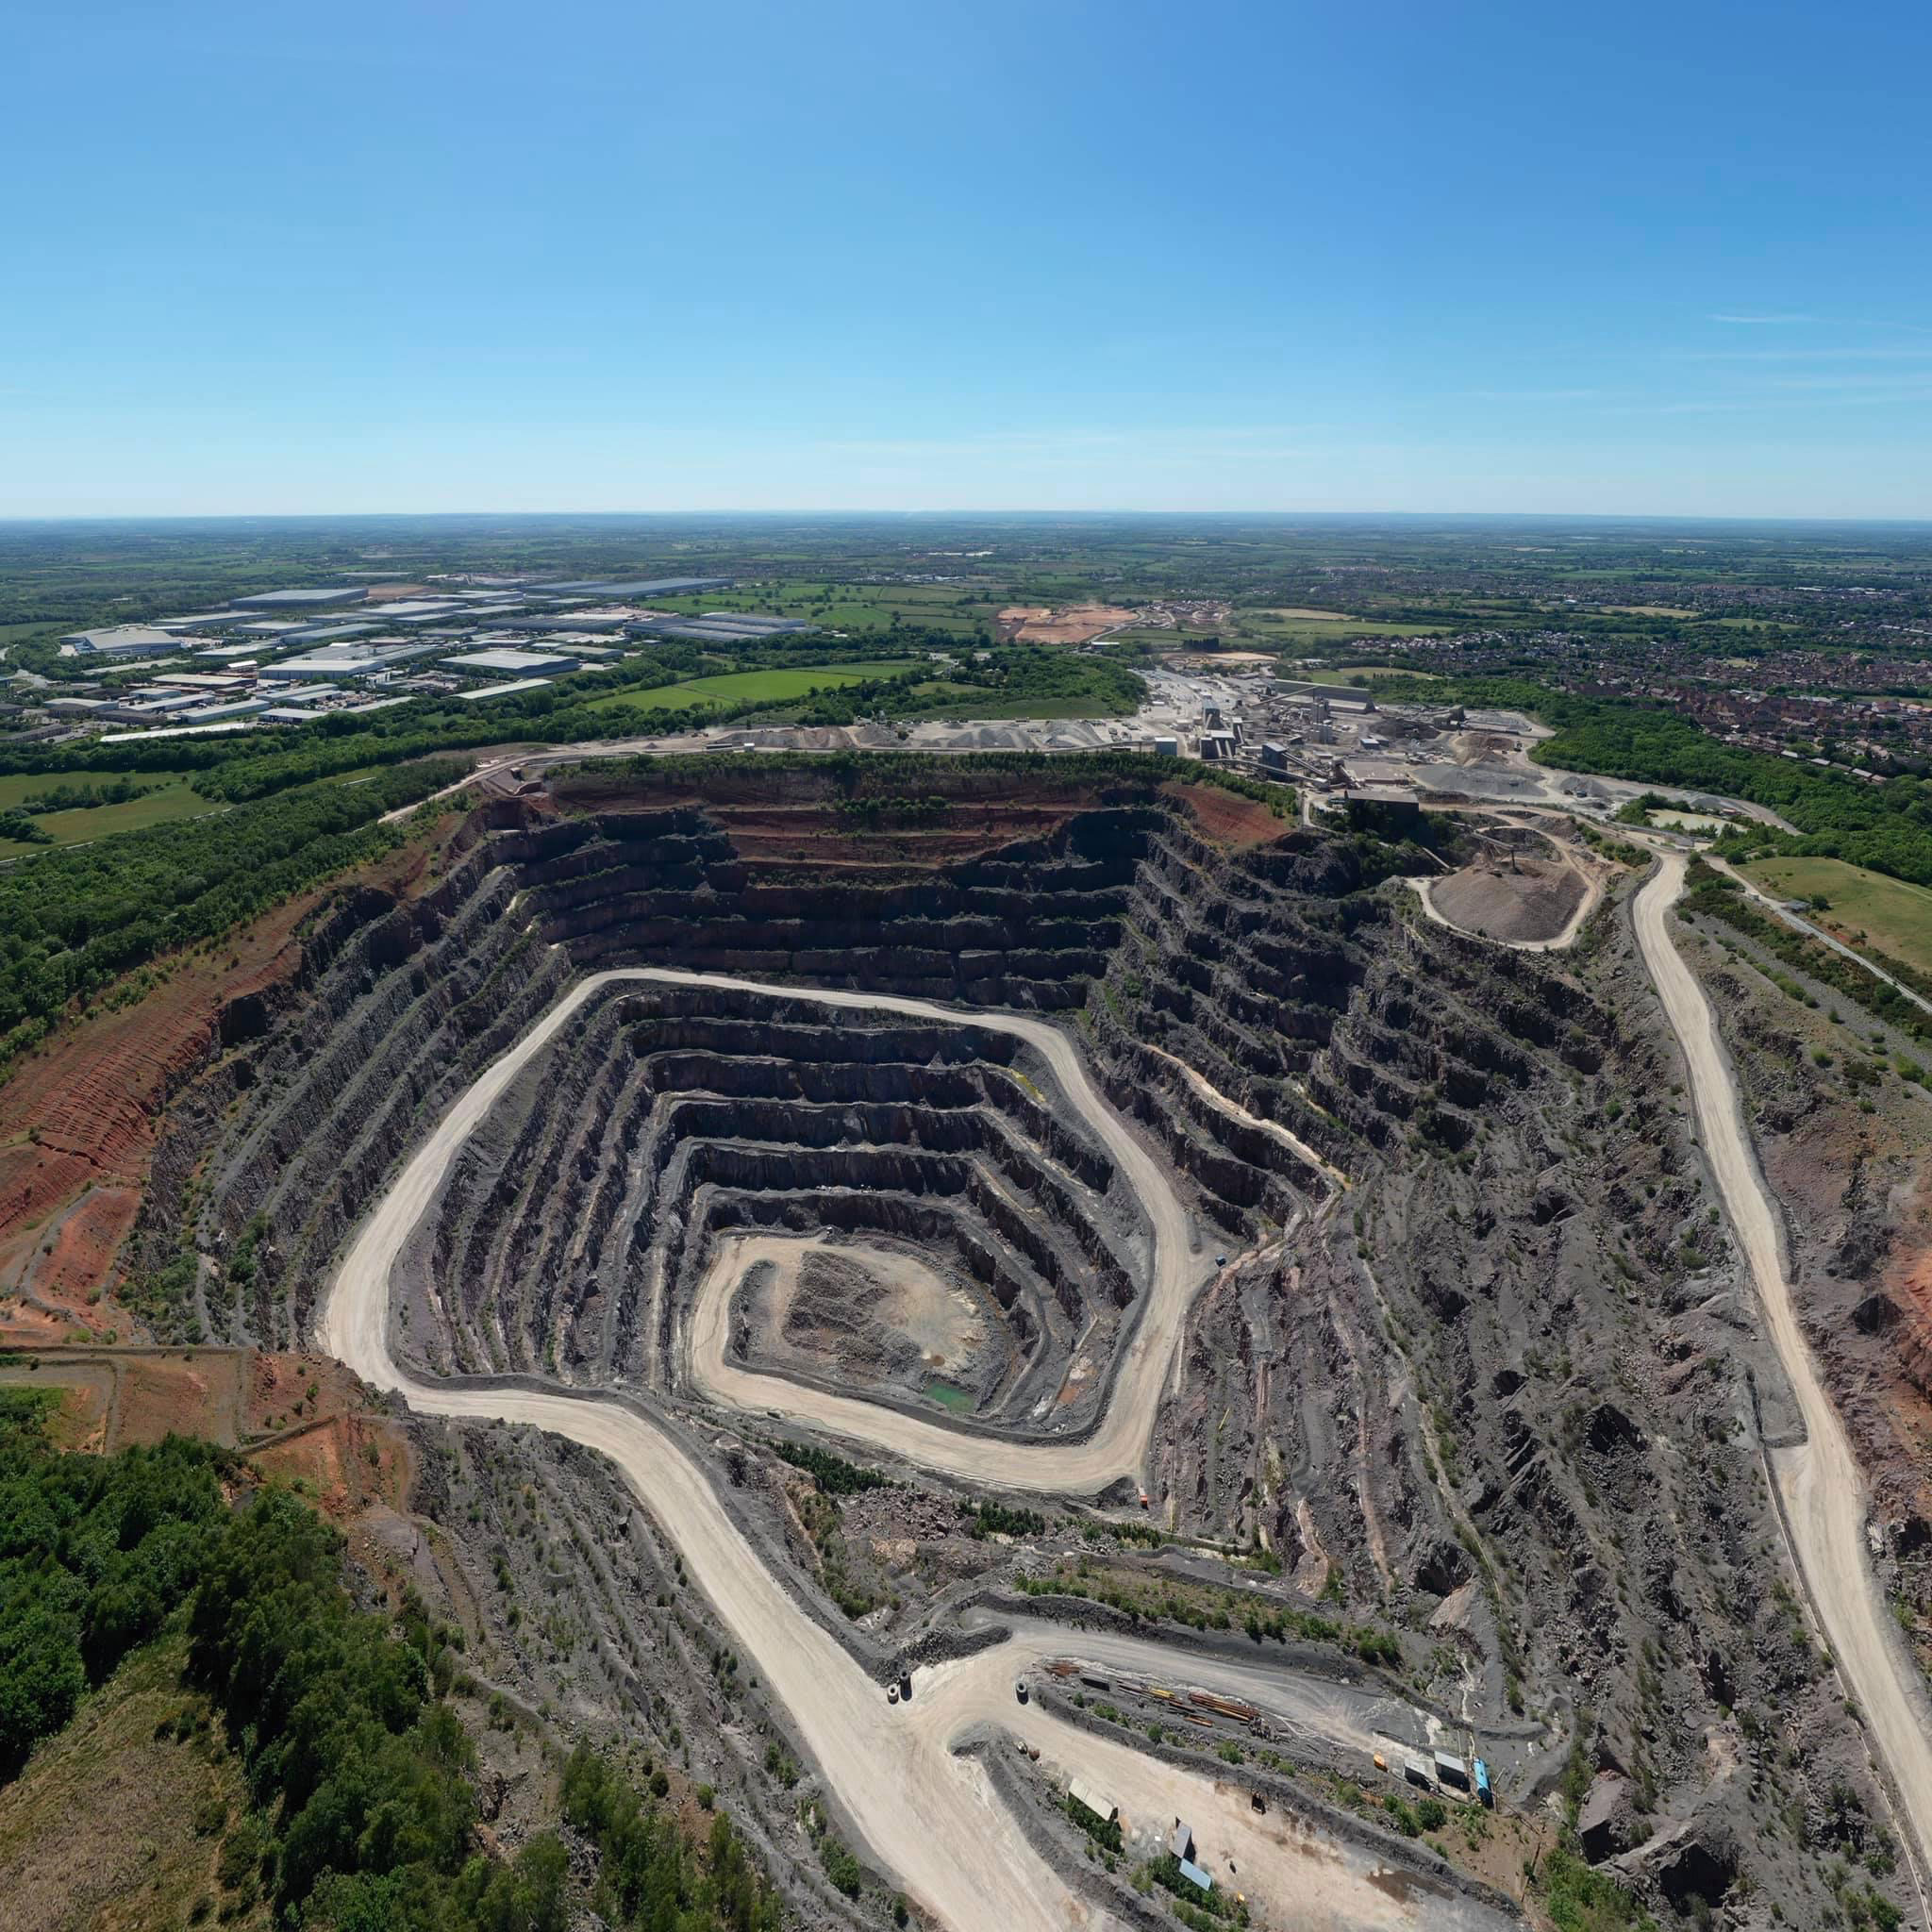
{"type": "Point", "coordinates": [359, 1771]}
{"type": "Point", "coordinates": [73, 921]}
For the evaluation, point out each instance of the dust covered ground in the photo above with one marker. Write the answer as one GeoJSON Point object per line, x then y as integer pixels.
{"type": "Point", "coordinates": [1510, 898]}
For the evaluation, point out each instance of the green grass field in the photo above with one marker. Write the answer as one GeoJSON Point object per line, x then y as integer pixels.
{"type": "Point", "coordinates": [959, 608]}
{"type": "Point", "coordinates": [779, 687]}
{"type": "Point", "coordinates": [1254, 627]}
{"type": "Point", "coordinates": [1895, 917]}
{"type": "Point", "coordinates": [15, 786]}
{"type": "Point", "coordinates": [172, 800]}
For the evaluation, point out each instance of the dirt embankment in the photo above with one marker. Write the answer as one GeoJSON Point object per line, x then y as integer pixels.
{"type": "Point", "coordinates": [1226, 819]}
{"type": "Point", "coordinates": [78, 1117]}
{"type": "Point", "coordinates": [1846, 1144]}
{"type": "Point", "coordinates": [295, 1417]}
{"type": "Point", "coordinates": [814, 817]}
{"type": "Point", "coordinates": [1077, 624]}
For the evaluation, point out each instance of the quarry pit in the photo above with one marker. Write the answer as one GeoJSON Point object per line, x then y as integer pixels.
{"type": "Point", "coordinates": [1052, 1146]}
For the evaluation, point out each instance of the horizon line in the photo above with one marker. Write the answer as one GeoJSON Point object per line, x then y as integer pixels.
{"type": "Point", "coordinates": [17, 518]}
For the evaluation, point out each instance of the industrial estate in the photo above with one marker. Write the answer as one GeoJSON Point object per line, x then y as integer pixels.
{"type": "Point", "coordinates": [291, 656]}
{"type": "Point", "coordinates": [717, 1225]}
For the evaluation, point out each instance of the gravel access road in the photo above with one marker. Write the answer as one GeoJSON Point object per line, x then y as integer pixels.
{"type": "Point", "coordinates": [1820, 1483]}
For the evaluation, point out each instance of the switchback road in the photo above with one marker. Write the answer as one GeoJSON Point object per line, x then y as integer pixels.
{"type": "Point", "coordinates": [929, 1816]}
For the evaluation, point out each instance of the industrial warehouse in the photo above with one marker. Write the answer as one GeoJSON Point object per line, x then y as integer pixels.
{"type": "Point", "coordinates": [299, 654]}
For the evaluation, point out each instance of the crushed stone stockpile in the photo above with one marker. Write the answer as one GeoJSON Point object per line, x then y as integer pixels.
{"type": "Point", "coordinates": [1532, 899]}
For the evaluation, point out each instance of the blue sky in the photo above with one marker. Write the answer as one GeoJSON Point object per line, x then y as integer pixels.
{"type": "Point", "coordinates": [430, 256]}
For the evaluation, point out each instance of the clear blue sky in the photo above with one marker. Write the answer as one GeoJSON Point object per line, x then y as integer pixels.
{"type": "Point", "coordinates": [425, 255]}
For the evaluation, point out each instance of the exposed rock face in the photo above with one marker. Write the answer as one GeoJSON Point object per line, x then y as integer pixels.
{"type": "Point", "coordinates": [1477, 1363]}
{"type": "Point", "coordinates": [401, 1005]}
{"type": "Point", "coordinates": [575, 1235]}
{"type": "Point", "coordinates": [1608, 1822]}
{"type": "Point", "coordinates": [1504, 1375]}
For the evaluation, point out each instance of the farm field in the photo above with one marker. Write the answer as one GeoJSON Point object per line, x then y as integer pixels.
{"type": "Point", "coordinates": [965, 611]}
{"type": "Point", "coordinates": [1894, 917]}
{"type": "Point", "coordinates": [1347, 674]}
{"type": "Point", "coordinates": [171, 799]}
{"type": "Point", "coordinates": [733, 687]}
{"type": "Point", "coordinates": [1276, 628]}
{"type": "Point", "coordinates": [17, 786]}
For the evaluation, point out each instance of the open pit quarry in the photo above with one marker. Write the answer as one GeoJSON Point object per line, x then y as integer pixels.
{"type": "Point", "coordinates": [1249, 1288]}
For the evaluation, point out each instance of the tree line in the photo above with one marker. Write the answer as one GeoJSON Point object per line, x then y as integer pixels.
{"type": "Point", "coordinates": [72, 921]}
{"type": "Point", "coordinates": [360, 1773]}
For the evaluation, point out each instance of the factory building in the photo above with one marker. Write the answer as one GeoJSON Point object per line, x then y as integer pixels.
{"type": "Point", "coordinates": [119, 641]}
{"type": "Point", "coordinates": [298, 600]}
{"type": "Point", "coordinates": [202, 620]}
{"type": "Point", "coordinates": [601, 622]}
{"type": "Point", "coordinates": [504, 691]}
{"type": "Point", "coordinates": [351, 660]}
{"type": "Point", "coordinates": [512, 663]}
{"type": "Point", "coordinates": [729, 627]}
{"type": "Point", "coordinates": [326, 633]}
{"type": "Point", "coordinates": [227, 707]}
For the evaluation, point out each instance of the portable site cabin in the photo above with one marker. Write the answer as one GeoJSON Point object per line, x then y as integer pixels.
{"type": "Point", "coordinates": [1103, 1808]}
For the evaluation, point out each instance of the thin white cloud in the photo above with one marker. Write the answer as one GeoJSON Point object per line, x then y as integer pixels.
{"type": "Point", "coordinates": [1850, 381]}
{"type": "Point", "coordinates": [1763, 320]}
{"type": "Point", "coordinates": [1223, 443]}
{"type": "Point", "coordinates": [1534, 396]}
{"type": "Point", "coordinates": [1782, 397]}
{"type": "Point", "coordinates": [1847, 353]}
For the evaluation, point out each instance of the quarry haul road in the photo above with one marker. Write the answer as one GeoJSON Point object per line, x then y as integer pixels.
{"type": "Point", "coordinates": [929, 1816]}
{"type": "Point", "coordinates": [1118, 1445]}
{"type": "Point", "coordinates": [1819, 1480]}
